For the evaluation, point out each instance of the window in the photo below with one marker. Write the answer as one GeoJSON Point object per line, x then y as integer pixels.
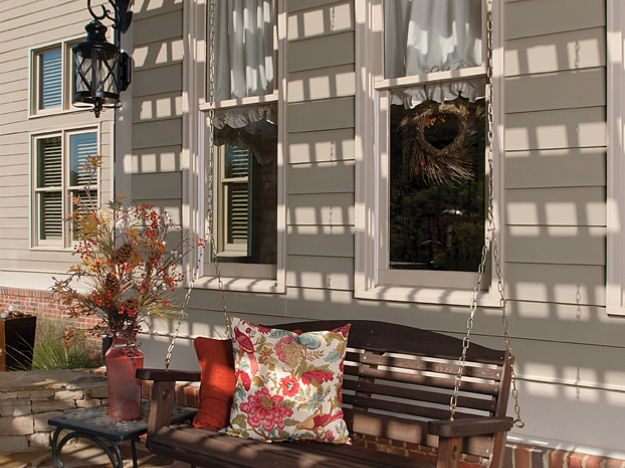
{"type": "Point", "coordinates": [245, 153]}
{"type": "Point", "coordinates": [59, 177]}
{"type": "Point", "coordinates": [52, 84]}
{"type": "Point", "coordinates": [425, 188]}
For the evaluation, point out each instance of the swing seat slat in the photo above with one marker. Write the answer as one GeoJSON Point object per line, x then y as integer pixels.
{"type": "Point", "coordinates": [397, 385]}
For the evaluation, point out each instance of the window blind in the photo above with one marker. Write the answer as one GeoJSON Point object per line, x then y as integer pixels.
{"type": "Point", "coordinates": [50, 175]}
{"type": "Point", "coordinates": [51, 75]}
{"type": "Point", "coordinates": [238, 200]}
{"type": "Point", "coordinates": [51, 221]}
{"type": "Point", "coordinates": [49, 166]}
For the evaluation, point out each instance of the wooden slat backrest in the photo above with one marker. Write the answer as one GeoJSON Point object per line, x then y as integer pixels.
{"type": "Point", "coordinates": [398, 377]}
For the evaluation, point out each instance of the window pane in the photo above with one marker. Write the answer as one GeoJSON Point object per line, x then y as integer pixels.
{"type": "Point", "coordinates": [81, 146]}
{"type": "Point", "coordinates": [50, 79]}
{"type": "Point", "coordinates": [49, 173]}
{"type": "Point", "coordinates": [423, 36]}
{"type": "Point", "coordinates": [86, 203]}
{"type": "Point", "coordinates": [437, 186]}
{"type": "Point", "coordinates": [250, 192]}
{"type": "Point", "coordinates": [51, 215]}
{"type": "Point", "coordinates": [245, 63]}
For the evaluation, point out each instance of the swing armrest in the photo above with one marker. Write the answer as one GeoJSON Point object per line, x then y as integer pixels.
{"type": "Point", "coordinates": [162, 375]}
{"type": "Point", "coordinates": [469, 426]}
{"type": "Point", "coordinates": [163, 395]}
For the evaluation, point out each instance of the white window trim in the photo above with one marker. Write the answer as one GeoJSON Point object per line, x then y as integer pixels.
{"type": "Point", "coordinates": [65, 243]}
{"type": "Point", "coordinates": [615, 189]}
{"type": "Point", "coordinates": [369, 32]}
{"type": "Point", "coordinates": [66, 64]}
{"type": "Point", "coordinates": [195, 152]}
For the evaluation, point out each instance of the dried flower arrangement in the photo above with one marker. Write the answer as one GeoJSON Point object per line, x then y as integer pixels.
{"type": "Point", "coordinates": [126, 275]}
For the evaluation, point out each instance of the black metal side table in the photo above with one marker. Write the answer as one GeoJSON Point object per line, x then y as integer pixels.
{"type": "Point", "coordinates": [94, 424]}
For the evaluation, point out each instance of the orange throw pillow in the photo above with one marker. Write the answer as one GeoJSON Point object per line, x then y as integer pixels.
{"type": "Point", "coordinates": [217, 383]}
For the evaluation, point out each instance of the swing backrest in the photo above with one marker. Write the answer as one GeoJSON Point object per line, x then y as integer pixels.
{"type": "Point", "coordinates": [398, 378]}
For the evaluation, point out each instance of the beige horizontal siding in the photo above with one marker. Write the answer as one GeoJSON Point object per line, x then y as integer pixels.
{"type": "Point", "coordinates": [322, 52]}
{"type": "Point", "coordinates": [567, 167]}
{"type": "Point", "coordinates": [297, 5]}
{"type": "Point", "coordinates": [557, 206]}
{"type": "Point", "coordinates": [10, 76]}
{"type": "Point", "coordinates": [321, 209]}
{"type": "Point", "coordinates": [319, 20]}
{"type": "Point", "coordinates": [13, 96]}
{"type": "Point", "coordinates": [157, 28]}
{"type": "Point", "coordinates": [158, 186]}
{"type": "Point", "coordinates": [538, 18]}
{"type": "Point", "coordinates": [325, 83]}
{"type": "Point", "coordinates": [320, 273]}
{"type": "Point", "coordinates": [330, 177]}
{"type": "Point", "coordinates": [571, 50]}
{"type": "Point", "coordinates": [159, 159]}
{"type": "Point", "coordinates": [329, 114]}
{"type": "Point", "coordinates": [557, 245]}
{"type": "Point", "coordinates": [158, 54]}
{"type": "Point", "coordinates": [323, 146]}
{"type": "Point", "coordinates": [561, 90]}
{"type": "Point", "coordinates": [157, 80]}
{"type": "Point", "coordinates": [564, 284]}
{"type": "Point", "coordinates": [155, 134]}
{"type": "Point", "coordinates": [157, 106]}
{"type": "Point", "coordinates": [570, 128]}
{"type": "Point", "coordinates": [322, 241]}
{"type": "Point", "coordinates": [148, 8]}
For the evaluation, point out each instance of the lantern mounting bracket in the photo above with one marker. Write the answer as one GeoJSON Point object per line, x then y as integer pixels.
{"type": "Point", "coordinates": [121, 19]}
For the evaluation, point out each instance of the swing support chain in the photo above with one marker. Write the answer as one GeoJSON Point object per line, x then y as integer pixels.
{"type": "Point", "coordinates": [491, 242]}
{"type": "Point", "coordinates": [211, 162]}
{"type": "Point", "coordinates": [209, 234]}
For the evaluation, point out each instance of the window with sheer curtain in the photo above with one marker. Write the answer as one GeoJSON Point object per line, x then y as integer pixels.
{"type": "Point", "coordinates": [436, 200]}
{"type": "Point", "coordinates": [430, 89]}
{"type": "Point", "coordinates": [59, 177]}
{"type": "Point", "coordinates": [245, 135]}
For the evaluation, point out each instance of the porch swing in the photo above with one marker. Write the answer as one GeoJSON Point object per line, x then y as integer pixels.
{"type": "Point", "coordinates": [399, 383]}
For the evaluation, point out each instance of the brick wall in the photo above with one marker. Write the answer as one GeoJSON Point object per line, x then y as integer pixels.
{"type": "Point", "coordinates": [45, 305]}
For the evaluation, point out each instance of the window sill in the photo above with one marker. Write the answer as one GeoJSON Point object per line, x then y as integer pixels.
{"type": "Point", "coordinates": [57, 113]}
{"type": "Point", "coordinates": [240, 285]}
{"type": "Point", "coordinates": [51, 248]}
{"type": "Point", "coordinates": [427, 296]}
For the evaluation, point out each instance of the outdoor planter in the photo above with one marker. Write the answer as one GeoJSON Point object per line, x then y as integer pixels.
{"type": "Point", "coordinates": [17, 340]}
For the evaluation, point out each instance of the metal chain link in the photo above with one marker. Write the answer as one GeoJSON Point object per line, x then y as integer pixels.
{"type": "Point", "coordinates": [491, 241]}
{"type": "Point", "coordinates": [211, 162]}
{"type": "Point", "coordinates": [209, 226]}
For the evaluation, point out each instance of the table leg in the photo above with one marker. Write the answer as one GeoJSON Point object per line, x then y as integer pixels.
{"type": "Point", "coordinates": [56, 462]}
{"type": "Point", "coordinates": [134, 453]}
{"type": "Point", "coordinates": [75, 435]}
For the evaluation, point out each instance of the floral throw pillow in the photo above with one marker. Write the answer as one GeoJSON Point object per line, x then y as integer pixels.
{"type": "Point", "coordinates": [288, 386]}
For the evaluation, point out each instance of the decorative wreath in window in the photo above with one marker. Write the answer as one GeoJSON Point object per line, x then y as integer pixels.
{"type": "Point", "coordinates": [428, 149]}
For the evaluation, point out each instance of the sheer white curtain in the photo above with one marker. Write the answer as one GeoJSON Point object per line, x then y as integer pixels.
{"type": "Point", "coordinates": [244, 48]}
{"type": "Point", "coordinates": [424, 36]}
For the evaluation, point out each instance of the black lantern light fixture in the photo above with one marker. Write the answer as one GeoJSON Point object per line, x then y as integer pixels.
{"type": "Point", "coordinates": [102, 70]}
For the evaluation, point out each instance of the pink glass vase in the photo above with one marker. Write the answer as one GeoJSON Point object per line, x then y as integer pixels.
{"type": "Point", "coordinates": [124, 388]}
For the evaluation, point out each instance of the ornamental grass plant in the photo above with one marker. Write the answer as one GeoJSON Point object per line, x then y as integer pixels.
{"type": "Point", "coordinates": [57, 346]}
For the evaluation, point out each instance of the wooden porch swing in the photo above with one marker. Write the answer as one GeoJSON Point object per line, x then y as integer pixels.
{"type": "Point", "coordinates": [400, 383]}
